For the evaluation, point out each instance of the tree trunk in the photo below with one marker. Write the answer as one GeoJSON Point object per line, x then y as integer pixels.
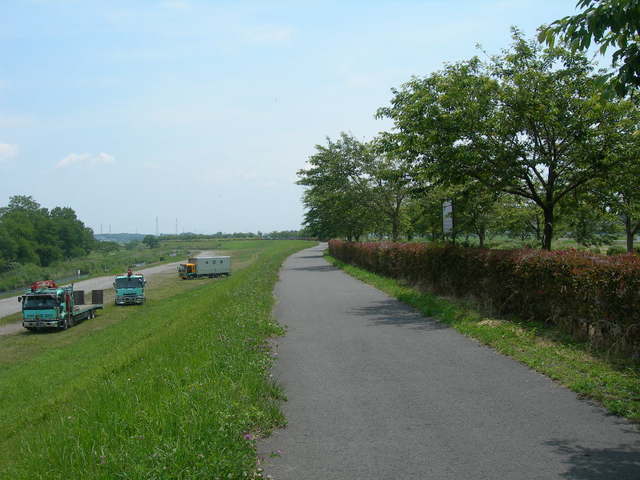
{"type": "Point", "coordinates": [395, 229]}
{"type": "Point", "coordinates": [481, 234]}
{"type": "Point", "coordinates": [548, 228]}
{"type": "Point", "coordinates": [631, 230]}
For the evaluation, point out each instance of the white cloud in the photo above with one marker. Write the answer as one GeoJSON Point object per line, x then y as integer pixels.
{"type": "Point", "coordinates": [7, 151]}
{"type": "Point", "coordinates": [85, 158]}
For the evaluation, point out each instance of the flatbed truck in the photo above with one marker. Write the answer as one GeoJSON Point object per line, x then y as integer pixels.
{"type": "Point", "coordinates": [46, 305]}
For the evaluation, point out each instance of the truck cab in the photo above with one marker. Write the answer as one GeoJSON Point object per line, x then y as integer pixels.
{"type": "Point", "coordinates": [47, 305]}
{"type": "Point", "coordinates": [129, 288]}
{"type": "Point", "coordinates": [187, 270]}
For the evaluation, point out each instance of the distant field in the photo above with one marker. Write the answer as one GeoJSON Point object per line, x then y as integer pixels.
{"type": "Point", "coordinates": [176, 388]}
{"type": "Point", "coordinates": [94, 264]}
{"type": "Point", "coordinates": [105, 263]}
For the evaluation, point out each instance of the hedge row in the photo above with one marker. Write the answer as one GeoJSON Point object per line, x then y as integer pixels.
{"type": "Point", "coordinates": [593, 297]}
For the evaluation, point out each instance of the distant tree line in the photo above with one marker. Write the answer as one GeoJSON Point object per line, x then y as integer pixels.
{"type": "Point", "coordinates": [275, 235]}
{"type": "Point", "coordinates": [30, 233]}
{"type": "Point", "coordinates": [528, 143]}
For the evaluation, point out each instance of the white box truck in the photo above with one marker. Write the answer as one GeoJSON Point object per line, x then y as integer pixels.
{"type": "Point", "coordinates": [197, 267]}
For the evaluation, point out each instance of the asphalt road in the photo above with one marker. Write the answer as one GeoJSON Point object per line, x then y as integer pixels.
{"type": "Point", "coordinates": [377, 391]}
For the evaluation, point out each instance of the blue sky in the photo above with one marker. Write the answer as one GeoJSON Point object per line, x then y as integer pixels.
{"type": "Point", "coordinates": [204, 110]}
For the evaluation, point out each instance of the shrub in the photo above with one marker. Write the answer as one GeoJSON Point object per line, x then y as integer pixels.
{"type": "Point", "coordinates": [593, 297]}
{"type": "Point", "coordinates": [614, 250]}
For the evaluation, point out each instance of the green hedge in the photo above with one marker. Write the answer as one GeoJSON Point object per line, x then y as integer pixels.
{"type": "Point", "coordinates": [593, 297]}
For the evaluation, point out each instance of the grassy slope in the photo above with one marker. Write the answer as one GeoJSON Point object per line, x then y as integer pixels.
{"type": "Point", "coordinates": [96, 263]}
{"type": "Point", "coordinates": [167, 391]}
{"type": "Point", "coordinates": [615, 383]}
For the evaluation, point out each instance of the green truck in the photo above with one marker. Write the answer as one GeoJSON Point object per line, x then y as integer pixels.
{"type": "Point", "coordinates": [46, 305]}
{"type": "Point", "coordinates": [129, 288]}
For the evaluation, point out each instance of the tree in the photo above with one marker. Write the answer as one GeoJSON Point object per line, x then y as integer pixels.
{"type": "Point", "coordinates": [519, 218]}
{"type": "Point", "coordinates": [474, 209]}
{"type": "Point", "coordinates": [588, 221]}
{"type": "Point", "coordinates": [531, 123]}
{"type": "Point", "coordinates": [151, 241]}
{"type": "Point", "coordinates": [336, 205]}
{"type": "Point", "coordinates": [619, 193]}
{"type": "Point", "coordinates": [386, 182]}
{"type": "Point", "coordinates": [610, 23]}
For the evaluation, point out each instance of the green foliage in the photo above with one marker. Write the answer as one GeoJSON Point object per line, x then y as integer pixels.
{"type": "Point", "coordinates": [184, 394]}
{"type": "Point", "coordinates": [531, 122]}
{"type": "Point", "coordinates": [611, 24]}
{"type": "Point", "coordinates": [590, 296]}
{"type": "Point", "coordinates": [99, 262]}
{"type": "Point", "coordinates": [336, 203]}
{"type": "Point", "coordinates": [30, 233]}
{"type": "Point", "coordinates": [614, 250]}
{"type": "Point", "coordinates": [151, 241]}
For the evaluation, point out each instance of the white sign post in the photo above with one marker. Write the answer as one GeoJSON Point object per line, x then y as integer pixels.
{"type": "Point", "coordinates": [447, 217]}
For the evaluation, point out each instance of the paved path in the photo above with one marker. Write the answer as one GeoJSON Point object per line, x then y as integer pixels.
{"type": "Point", "coordinates": [376, 391]}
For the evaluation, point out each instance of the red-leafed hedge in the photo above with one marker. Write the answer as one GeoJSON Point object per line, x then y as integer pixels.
{"type": "Point", "coordinates": [593, 297]}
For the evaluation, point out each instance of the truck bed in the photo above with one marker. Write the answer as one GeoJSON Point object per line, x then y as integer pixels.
{"type": "Point", "coordinates": [80, 309]}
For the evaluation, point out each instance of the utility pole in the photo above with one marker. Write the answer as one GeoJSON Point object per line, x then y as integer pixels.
{"type": "Point", "coordinates": [157, 231]}
{"type": "Point", "coordinates": [176, 227]}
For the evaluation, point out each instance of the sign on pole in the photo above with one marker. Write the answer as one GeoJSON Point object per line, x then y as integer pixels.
{"type": "Point", "coordinates": [447, 217]}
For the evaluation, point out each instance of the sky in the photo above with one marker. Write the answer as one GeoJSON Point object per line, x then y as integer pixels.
{"type": "Point", "coordinates": [202, 111]}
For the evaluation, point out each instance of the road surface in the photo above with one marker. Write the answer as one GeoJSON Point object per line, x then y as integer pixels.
{"type": "Point", "coordinates": [11, 305]}
{"type": "Point", "coordinates": [375, 390]}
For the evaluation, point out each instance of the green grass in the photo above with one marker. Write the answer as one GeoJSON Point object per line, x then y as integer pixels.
{"type": "Point", "coordinates": [612, 382]}
{"type": "Point", "coordinates": [175, 389]}
{"type": "Point", "coordinates": [93, 265]}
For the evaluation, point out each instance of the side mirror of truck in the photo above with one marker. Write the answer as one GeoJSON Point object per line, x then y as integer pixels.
{"type": "Point", "coordinates": [19, 299]}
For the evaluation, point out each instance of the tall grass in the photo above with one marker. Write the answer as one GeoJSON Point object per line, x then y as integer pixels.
{"type": "Point", "coordinates": [177, 390]}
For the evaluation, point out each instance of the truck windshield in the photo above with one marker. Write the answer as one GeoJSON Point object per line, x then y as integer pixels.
{"type": "Point", "coordinates": [39, 302]}
{"type": "Point", "coordinates": [129, 282]}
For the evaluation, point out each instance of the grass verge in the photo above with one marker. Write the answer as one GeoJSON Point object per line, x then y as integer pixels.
{"type": "Point", "coordinates": [176, 390]}
{"type": "Point", "coordinates": [614, 383]}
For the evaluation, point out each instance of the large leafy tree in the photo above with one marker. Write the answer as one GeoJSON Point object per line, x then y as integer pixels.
{"type": "Point", "coordinates": [336, 204]}
{"type": "Point", "coordinates": [30, 233]}
{"type": "Point", "coordinates": [532, 123]}
{"type": "Point", "coordinates": [386, 175]}
{"type": "Point", "coordinates": [611, 24]}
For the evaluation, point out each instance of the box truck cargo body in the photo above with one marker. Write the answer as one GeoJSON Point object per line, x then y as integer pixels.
{"type": "Point", "coordinates": [205, 267]}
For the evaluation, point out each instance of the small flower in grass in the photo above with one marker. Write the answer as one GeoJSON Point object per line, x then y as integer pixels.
{"type": "Point", "coordinates": [249, 436]}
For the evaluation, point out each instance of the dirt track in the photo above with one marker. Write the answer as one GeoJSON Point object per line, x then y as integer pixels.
{"type": "Point", "coordinates": [11, 305]}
